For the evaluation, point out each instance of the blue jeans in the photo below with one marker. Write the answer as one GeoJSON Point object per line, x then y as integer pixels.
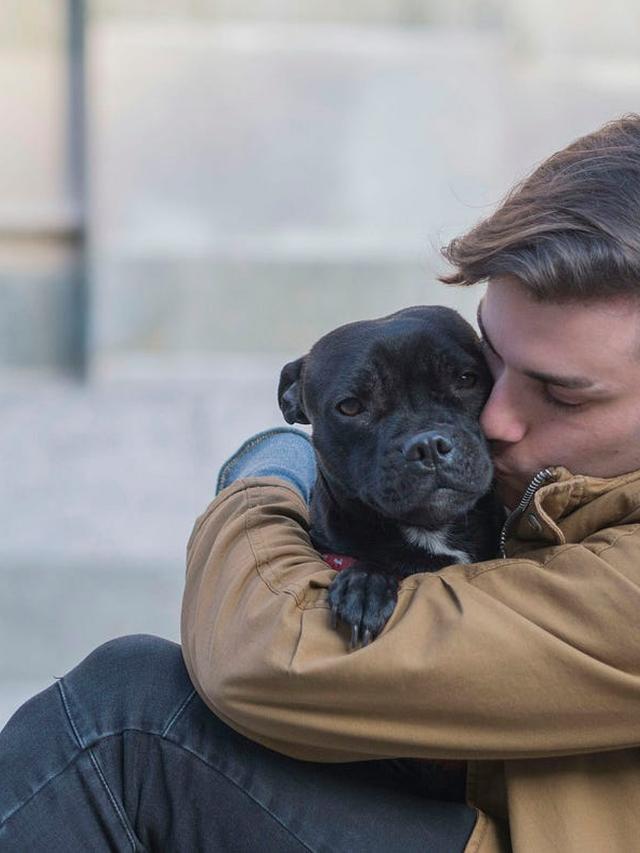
{"type": "Point", "coordinates": [122, 754]}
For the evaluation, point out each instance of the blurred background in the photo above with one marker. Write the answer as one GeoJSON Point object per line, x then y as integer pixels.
{"type": "Point", "coordinates": [191, 193]}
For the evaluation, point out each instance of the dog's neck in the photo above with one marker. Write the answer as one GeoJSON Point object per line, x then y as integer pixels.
{"type": "Point", "coordinates": [343, 524]}
{"type": "Point", "coordinates": [435, 541]}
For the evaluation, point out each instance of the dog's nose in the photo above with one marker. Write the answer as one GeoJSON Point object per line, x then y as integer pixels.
{"type": "Point", "coordinates": [427, 447]}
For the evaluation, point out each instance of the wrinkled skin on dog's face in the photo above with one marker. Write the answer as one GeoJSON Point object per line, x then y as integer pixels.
{"type": "Point", "coordinates": [394, 404]}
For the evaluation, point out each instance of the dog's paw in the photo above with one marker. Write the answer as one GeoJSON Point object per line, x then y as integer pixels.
{"type": "Point", "coordinates": [364, 601]}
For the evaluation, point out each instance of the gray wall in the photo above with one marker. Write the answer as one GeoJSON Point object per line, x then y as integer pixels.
{"type": "Point", "coordinates": [242, 175]}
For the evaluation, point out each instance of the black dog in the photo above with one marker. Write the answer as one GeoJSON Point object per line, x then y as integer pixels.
{"type": "Point", "coordinates": [404, 475]}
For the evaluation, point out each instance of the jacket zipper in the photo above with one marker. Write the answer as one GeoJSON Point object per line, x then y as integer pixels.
{"type": "Point", "coordinates": [529, 492]}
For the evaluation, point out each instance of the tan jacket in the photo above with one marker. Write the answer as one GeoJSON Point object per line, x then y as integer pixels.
{"type": "Point", "coordinates": [529, 666]}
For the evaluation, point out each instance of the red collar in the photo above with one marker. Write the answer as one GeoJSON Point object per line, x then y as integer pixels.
{"type": "Point", "coordinates": [339, 561]}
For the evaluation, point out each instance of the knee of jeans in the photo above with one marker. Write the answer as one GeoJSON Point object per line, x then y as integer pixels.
{"type": "Point", "coordinates": [137, 681]}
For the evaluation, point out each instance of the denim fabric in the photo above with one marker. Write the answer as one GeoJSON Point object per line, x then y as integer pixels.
{"type": "Point", "coordinates": [279, 452]}
{"type": "Point", "coordinates": [122, 754]}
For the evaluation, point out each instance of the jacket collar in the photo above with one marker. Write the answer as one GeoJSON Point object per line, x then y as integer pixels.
{"type": "Point", "coordinates": [572, 507]}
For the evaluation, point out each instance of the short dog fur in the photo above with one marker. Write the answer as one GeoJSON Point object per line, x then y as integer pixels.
{"type": "Point", "coordinates": [404, 481]}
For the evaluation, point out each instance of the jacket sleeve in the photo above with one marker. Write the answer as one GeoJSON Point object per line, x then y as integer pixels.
{"type": "Point", "coordinates": [496, 660]}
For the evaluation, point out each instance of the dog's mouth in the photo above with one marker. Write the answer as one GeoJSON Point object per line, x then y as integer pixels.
{"type": "Point", "coordinates": [436, 496]}
{"type": "Point", "coordinates": [442, 504]}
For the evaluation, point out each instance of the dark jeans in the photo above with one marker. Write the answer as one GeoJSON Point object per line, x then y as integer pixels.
{"type": "Point", "coordinates": [122, 754]}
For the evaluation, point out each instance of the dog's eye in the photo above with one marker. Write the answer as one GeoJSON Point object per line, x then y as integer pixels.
{"type": "Point", "coordinates": [351, 406]}
{"type": "Point", "coordinates": [467, 379]}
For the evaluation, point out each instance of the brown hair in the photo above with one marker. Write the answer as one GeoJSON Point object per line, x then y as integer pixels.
{"type": "Point", "coordinates": [571, 230]}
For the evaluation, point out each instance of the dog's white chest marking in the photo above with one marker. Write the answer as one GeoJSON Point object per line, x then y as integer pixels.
{"type": "Point", "coordinates": [435, 541]}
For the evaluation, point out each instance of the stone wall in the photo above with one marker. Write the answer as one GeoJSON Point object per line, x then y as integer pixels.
{"type": "Point", "coordinates": [254, 173]}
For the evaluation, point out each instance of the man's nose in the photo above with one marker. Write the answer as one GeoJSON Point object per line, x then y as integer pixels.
{"type": "Point", "coordinates": [502, 419]}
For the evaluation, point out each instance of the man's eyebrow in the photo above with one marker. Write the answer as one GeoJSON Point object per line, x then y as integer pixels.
{"type": "Point", "coordinates": [547, 378]}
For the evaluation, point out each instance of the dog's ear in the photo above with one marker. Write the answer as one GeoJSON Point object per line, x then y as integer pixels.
{"type": "Point", "coordinates": [289, 392]}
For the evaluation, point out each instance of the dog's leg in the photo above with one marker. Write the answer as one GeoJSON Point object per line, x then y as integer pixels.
{"type": "Point", "coordinates": [364, 600]}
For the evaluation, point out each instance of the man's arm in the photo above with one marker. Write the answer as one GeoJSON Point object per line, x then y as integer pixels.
{"type": "Point", "coordinates": [503, 659]}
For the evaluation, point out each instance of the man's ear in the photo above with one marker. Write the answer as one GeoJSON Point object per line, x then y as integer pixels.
{"type": "Point", "coordinates": [290, 392]}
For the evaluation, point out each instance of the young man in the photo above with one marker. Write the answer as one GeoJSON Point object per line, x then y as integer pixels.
{"type": "Point", "coordinates": [526, 668]}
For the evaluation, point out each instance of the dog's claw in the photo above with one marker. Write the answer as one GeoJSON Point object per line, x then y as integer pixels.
{"type": "Point", "coordinates": [355, 636]}
{"type": "Point", "coordinates": [368, 636]}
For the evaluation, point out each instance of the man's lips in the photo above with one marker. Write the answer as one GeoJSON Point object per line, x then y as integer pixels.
{"type": "Point", "coordinates": [505, 473]}
{"type": "Point", "coordinates": [500, 463]}
{"type": "Point", "coordinates": [500, 468]}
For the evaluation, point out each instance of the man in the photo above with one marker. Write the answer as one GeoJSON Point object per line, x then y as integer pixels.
{"type": "Point", "coordinates": [527, 668]}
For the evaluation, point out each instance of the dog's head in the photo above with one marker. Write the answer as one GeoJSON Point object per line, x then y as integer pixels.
{"type": "Point", "coordinates": [394, 405]}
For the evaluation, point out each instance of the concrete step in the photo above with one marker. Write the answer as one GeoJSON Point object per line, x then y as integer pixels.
{"type": "Point", "coordinates": [100, 486]}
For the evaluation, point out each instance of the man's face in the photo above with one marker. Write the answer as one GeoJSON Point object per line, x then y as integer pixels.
{"type": "Point", "coordinates": [567, 385]}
